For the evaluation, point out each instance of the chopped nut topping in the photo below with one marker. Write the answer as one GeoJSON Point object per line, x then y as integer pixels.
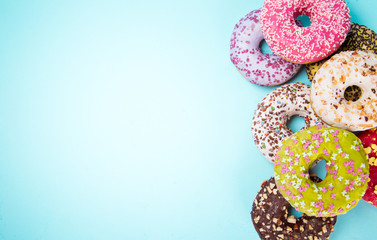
{"type": "Point", "coordinates": [291, 219]}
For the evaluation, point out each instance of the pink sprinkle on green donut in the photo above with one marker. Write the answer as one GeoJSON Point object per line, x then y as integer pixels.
{"type": "Point", "coordinates": [347, 171]}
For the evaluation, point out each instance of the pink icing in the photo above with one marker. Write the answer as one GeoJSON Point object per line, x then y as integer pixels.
{"type": "Point", "coordinates": [330, 23]}
{"type": "Point", "coordinates": [245, 53]}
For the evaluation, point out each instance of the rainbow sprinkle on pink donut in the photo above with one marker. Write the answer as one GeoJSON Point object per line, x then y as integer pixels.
{"type": "Point", "coordinates": [330, 23]}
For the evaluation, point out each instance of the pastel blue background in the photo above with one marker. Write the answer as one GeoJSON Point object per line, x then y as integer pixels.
{"type": "Point", "coordinates": [127, 120]}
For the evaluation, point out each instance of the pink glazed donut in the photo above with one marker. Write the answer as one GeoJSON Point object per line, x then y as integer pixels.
{"type": "Point", "coordinates": [245, 53]}
{"type": "Point", "coordinates": [330, 23]}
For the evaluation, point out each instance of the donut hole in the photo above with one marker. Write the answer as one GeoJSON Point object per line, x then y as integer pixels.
{"type": "Point", "coordinates": [352, 93]}
{"type": "Point", "coordinates": [304, 19]}
{"type": "Point", "coordinates": [264, 48]}
{"type": "Point", "coordinates": [318, 169]}
{"type": "Point", "coordinates": [293, 212]}
{"type": "Point", "coordinates": [296, 123]}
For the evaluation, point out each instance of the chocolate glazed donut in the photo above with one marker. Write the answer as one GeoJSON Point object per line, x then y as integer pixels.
{"type": "Point", "coordinates": [271, 220]}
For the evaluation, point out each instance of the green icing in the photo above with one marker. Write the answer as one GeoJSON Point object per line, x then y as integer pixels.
{"type": "Point", "coordinates": [347, 171]}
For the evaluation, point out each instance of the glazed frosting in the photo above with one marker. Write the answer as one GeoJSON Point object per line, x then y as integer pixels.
{"type": "Point", "coordinates": [330, 23]}
{"type": "Point", "coordinates": [346, 164]}
{"type": "Point", "coordinates": [245, 53]}
{"type": "Point", "coordinates": [343, 70]}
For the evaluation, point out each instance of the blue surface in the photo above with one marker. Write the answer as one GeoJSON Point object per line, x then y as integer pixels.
{"type": "Point", "coordinates": [127, 120]}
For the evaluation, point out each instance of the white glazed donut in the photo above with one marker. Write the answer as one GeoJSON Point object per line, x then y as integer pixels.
{"type": "Point", "coordinates": [270, 119]}
{"type": "Point", "coordinates": [348, 69]}
{"type": "Point", "coordinates": [256, 67]}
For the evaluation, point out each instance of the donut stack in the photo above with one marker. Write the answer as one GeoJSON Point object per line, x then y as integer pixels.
{"type": "Point", "coordinates": [341, 63]}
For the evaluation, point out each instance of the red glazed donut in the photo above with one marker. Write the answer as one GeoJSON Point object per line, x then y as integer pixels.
{"type": "Point", "coordinates": [369, 140]}
{"type": "Point", "coordinates": [330, 23]}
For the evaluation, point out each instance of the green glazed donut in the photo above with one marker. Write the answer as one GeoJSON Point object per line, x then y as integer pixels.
{"type": "Point", "coordinates": [346, 164]}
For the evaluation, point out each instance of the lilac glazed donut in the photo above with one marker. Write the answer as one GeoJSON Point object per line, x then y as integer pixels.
{"type": "Point", "coordinates": [330, 23]}
{"type": "Point", "coordinates": [256, 67]}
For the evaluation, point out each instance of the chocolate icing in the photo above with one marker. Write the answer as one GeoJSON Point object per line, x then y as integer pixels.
{"type": "Point", "coordinates": [271, 220]}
